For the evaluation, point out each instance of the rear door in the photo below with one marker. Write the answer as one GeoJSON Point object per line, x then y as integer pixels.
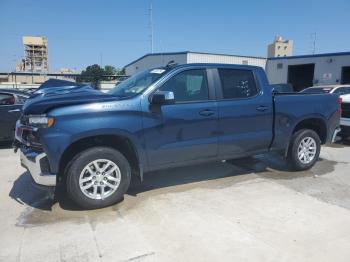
{"type": "Point", "coordinates": [187, 130]}
{"type": "Point", "coordinates": [10, 111]}
{"type": "Point", "coordinates": [245, 113]}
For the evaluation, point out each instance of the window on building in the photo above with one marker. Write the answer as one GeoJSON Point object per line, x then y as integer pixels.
{"type": "Point", "coordinates": [245, 62]}
{"type": "Point", "coordinates": [190, 85]}
{"type": "Point", "coordinates": [279, 66]}
{"type": "Point", "coordinates": [237, 83]}
{"type": "Point", "coordinates": [279, 47]}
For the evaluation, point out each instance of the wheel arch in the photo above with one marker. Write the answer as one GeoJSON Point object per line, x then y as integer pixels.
{"type": "Point", "coordinates": [316, 124]}
{"type": "Point", "coordinates": [119, 142]}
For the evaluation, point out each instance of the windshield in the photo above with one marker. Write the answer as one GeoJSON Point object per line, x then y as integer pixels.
{"type": "Point", "coordinates": [137, 83]}
{"type": "Point", "coordinates": [317, 90]}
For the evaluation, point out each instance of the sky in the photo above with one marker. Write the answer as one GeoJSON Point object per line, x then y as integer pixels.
{"type": "Point", "coordinates": [115, 32]}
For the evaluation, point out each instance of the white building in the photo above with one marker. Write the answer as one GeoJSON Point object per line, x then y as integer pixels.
{"type": "Point", "coordinates": [162, 59]}
{"type": "Point", "coordinates": [308, 70]}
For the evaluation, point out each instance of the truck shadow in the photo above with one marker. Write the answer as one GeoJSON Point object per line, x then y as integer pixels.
{"type": "Point", "coordinates": [345, 142]}
{"type": "Point", "coordinates": [209, 175]}
{"type": "Point", "coordinates": [271, 166]}
{"type": "Point", "coordinates": [25, 192]}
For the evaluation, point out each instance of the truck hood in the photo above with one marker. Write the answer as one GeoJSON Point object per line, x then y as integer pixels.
{"type": "Point", "coordinates": [41, 101]}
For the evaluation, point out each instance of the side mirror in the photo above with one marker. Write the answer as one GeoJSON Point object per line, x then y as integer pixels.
{"type": "Point", "coordinates": [162, 98]}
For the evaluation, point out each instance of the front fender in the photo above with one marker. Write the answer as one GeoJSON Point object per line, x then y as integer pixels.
{"type": "Point", "coordinates": [87, 121]}
{"type": "Point", "coordinates": [55, 144]}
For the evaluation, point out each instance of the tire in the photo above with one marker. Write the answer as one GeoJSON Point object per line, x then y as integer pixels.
{"type": "Point", "coordinates": [296, 149]}
{"type": "Point", "coordinates": [88, 166]}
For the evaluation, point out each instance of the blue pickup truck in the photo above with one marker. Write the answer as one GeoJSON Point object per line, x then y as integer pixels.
{"type": "Point", "coordinates": [92, 143]}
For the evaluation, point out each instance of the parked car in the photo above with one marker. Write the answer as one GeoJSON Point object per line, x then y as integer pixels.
{"type": "Point", "coordinates": [282, 88]}
{"type": "Point", "coordinates": [345, 117]}
{"type": "Point", "coordinates": [330, 89]}
{"type": "Point", "coordinates": [11, 102]}
{"type": "Point", "coordinates": [92, 142]}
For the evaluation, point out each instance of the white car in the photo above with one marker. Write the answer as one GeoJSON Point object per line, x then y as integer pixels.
{"type": "Point", "coordinates": [345, 116]}
{"type": "Point", "coordinates": [344, 94]}
{"type": "Point", "coordinates": [331, 89]}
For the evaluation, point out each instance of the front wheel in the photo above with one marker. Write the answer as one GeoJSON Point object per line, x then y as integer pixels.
{"type": "Point", "coordinates": [304, 150]}
{"type": "Point", "coordinates": [98, 177]}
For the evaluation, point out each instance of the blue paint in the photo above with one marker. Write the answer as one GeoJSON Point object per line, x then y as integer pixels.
{"type": "Point", "coordinates": [176, 135]}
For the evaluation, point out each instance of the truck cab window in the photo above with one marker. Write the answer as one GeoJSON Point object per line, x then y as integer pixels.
{"type": "Point", "coordinates": [237, 83]}
{"type": "Point", "coordinates": [190, 85]}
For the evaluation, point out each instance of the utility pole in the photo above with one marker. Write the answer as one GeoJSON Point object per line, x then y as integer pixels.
{"type": "Point", "coordinates": [101, 59]}
{"type": "Point", "coordinates": [151, 25]}
{"type": "Point", "coordinates": [314, 43]}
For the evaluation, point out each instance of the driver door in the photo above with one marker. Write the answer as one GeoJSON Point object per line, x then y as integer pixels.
{"type": "Point", "coordinates": [187, 130]}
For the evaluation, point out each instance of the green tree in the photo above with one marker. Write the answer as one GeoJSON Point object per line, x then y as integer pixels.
{"type": "Point", "coordinates": [110, 70]}
{"type": "Point", "coordinates": [93, 74]}
{"type": "Point", "coordinates": [121, 72]}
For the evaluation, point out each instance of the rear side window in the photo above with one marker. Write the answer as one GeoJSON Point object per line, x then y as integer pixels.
{"type": "Point", "coordinates": [237, 83]}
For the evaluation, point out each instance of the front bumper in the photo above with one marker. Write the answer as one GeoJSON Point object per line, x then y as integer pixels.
{"type": "Point", "coordinates": [36, 164]}
{"type": "Point", "coordinates": [34, 160]}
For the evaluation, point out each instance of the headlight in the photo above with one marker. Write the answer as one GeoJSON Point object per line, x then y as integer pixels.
{"type": "Point", "coordinates": [40, 121]}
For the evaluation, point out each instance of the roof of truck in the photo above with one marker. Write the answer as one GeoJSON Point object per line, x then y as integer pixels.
{"type": "Point", "coordinates": [238, 66]}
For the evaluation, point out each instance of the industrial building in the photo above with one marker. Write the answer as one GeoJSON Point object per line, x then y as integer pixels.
{"type": "Point", "coordinates": [300, 71]}
{"type": "Point", "coordinates": [162, 59]}
{"type": "Point", "coordinates": [35, 55]}
{"type": "Point", "coordinates": [31, 79]}
{"type": "Point", "coordinates": [308, 70]}
{"type": "Point", "coordinates": [280, 48]}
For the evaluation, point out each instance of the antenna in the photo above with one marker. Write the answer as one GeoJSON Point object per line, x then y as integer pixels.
{"type": "Point", "coordinates": [313, 43]}
{"type": "Point", "coordinates": [151, 25]}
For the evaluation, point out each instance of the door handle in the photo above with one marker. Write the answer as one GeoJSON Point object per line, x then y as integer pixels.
{"type": "Point", "coordinates": [262, 108]}
{"type": "Point", "coordinates": [14, 110]}
{"type": "Point", "coordinates": [206, 112]}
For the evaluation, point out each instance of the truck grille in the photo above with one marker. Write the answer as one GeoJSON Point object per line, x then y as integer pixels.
{"type": "Point", "coordinates": [345, 110]}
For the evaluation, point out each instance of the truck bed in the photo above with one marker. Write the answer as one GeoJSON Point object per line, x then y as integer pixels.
{"type": "Point", "coordinates": [292, 107]}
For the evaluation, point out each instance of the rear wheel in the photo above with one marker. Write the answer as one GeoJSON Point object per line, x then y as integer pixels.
{"type": "Point", "coordinates": [304, 150]}
{"type": "Point", "coordinates": [98, 177]}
